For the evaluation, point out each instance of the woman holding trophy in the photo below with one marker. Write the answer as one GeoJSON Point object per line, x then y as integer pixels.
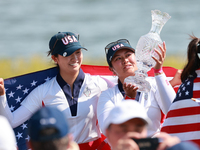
{"type": "Point", "coordinates": [156, 94]}
{"type": "Point", "coordinates": [122, 62]}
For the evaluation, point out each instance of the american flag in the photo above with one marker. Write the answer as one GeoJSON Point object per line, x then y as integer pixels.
{"type": "Point", "coordinates": [183, 117]}
{"type": "Point", "coordinates": [17, 88]}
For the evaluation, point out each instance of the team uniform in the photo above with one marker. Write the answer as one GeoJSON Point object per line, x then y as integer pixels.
{"type": "Point", "coordinates": [156, 102]}
{"type": "Point", "coordinates": [80, 109]}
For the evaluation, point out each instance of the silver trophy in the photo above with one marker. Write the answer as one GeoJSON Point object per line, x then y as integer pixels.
{"type": "Point", "coordinates": [145, 51]}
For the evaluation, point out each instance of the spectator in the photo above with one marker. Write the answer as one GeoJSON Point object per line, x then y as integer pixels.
{"type": "Point", "coordinates": [48, 130]}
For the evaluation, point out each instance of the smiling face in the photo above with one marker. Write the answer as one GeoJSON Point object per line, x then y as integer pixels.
{"type": "Point", "coordinates": [70, 64]}
{"type": "Point", "coordinates": [124, 64]}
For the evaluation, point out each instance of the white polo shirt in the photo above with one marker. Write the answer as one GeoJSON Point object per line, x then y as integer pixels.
{"type": "Point", "coordinates": [84, 125]}
{"type": "Point", "coordinates": [152, 101]}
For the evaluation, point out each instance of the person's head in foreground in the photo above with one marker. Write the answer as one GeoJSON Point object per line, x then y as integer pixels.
{"type": "Point", "coordinates": [48, 130]}
{"type": "Point", "coordinates": [127, 121]}
{"type": "Point", "coordinates": [65, 50]}
{"type": "Point", "coordinates": [7, 136]}
{"type": "Point", "coordinates": [121, 58]}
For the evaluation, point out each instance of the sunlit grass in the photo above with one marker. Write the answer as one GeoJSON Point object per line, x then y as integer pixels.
{"type": "Point", "coordinates": [19, 66]}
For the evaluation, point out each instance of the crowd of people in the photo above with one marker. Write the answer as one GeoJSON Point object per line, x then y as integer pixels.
{"type": "Point", "coordinates": [75, 107]}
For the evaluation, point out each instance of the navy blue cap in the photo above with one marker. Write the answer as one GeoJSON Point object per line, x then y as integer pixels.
{"type": "Point", "coordinates": [48, 123]}
{"type": "Point", "coordinates": [113, 47]}
{"type": "Point", "coordinates": [64, 43]}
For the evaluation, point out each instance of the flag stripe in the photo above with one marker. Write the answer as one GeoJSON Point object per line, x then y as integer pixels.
{"type": "Point", "coordinates": [182, 128]}
{"type": "Point", "coordinates": [183, 112]}
{"type": "Point", "coordinates": [196, 94]}
{"type": "Point", "coordinates": [187, 136]}
{"type": "Point", "coordinates": [196, 141]}
{"type": "Point", "coordinates": [182, 120]}
{"type": "Point", "coordinates": [104, 70]}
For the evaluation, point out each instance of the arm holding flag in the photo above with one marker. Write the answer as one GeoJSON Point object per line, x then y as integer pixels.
{"type": "Point", "coordinates": [17, 117]}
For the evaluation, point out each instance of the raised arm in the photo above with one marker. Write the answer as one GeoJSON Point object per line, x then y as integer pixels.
{"type": "Point", "coordinates": [165, 89]}
{"type": "Point", "coordinates": [18, 116]}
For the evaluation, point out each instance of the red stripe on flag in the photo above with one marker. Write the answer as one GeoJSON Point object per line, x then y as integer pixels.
{"type": "Point", "coordinates": [183, 112]}
{"type": "Point", "coordinates": [96, 70]}
{"type": "Point", "coordinates": [197, 79]}
{"type": "Point", "coordinates": [197, 142]}
{"type": "Point", "coordinates": [104, 70]}
{"type": "Point", "coordinates": [181, 128]}
{"type": "Point", "coordinates": [196, 94]}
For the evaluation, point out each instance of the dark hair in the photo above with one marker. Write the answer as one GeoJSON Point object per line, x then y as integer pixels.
{"type": "Point", "coordinates": [58, 144]}
{"type": "Point", "coordinates": [193, 61]}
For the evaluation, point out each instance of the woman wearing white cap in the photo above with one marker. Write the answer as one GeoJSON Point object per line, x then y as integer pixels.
{"type": "Point", "coordinates": [72, 91]}
{"type": "Point", "coordinates": [121, 60]}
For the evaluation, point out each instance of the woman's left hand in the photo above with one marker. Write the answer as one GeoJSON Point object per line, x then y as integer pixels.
{"type": "Point", "coordinates": [130, 90]}
{"type": "Point", "coordinates": [161, 54]}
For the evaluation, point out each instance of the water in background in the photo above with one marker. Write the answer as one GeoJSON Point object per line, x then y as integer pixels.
{"type": "Point", "coordinates": [26, 26]}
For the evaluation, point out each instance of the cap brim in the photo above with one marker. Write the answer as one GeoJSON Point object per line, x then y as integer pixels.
{"type": "Point", "coordinates": [122, 119]}
{"type": "Point", "coordinates": [71, 50]}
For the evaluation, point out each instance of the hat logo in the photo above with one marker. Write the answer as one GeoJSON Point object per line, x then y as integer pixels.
{"type": "Point", "coordinates": [114, 48]}
{"type": "Point", "coordinates": [64, 54]}
{"type": "Point", "coordinates": [47, 121]}
{"type": "Point", "coordinates": [69, 39]}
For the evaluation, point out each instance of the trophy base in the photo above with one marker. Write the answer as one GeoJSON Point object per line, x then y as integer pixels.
{"type": "Point", "coordinates": [142, 84]}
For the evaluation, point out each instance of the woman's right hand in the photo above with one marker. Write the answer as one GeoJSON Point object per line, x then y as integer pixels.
{"type": "Point", "coordinates": [2, 90]}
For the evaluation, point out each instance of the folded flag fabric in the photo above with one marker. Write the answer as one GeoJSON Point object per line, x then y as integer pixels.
{"type": "Point", "coordinates": [183, 117]}
{"type": "Point", "coordinates": [17, 88]}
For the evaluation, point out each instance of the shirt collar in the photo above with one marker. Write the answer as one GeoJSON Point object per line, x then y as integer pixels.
{"type": "Point", "coordinates": [79, 79]}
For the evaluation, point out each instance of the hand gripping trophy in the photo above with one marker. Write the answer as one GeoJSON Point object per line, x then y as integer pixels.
{"type": "Point", "coordinates": [145, 49]}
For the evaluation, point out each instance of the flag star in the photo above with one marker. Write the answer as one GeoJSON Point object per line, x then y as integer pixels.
{"type": "Point", "coordinates": [183, 88]}
{"type": "Point", "coordinates": [18, 100]}
{"type": "Point", "coordinates": [28, 138]}
{"type": "Point", "coordinates": [19, 87]}
{"type": "Point", "coordinates": [47, 79]}
{"type": "Point", "coordinates": [19, 135]}
{"type": "Point", "coordinates": [25, 91]}
{"type": "Point", "coordinates": [11, 94]}
{"type": "Point", "coordinates": [188, 83]}
{"type": "Point", "coordinates": [33, 83]}
{"type": "Point", "coordinates": [178, 90]}
{"type": "Point", "coordinates": [179, 94]}
{"type": "Point", "coordinates": [6, 89]}
{"type": "Point", "coordinates": [12, 108]}
{"type": "Point", "coordinates": [187, 93]}
{"type": "Point", "coordinates": [24, 126]}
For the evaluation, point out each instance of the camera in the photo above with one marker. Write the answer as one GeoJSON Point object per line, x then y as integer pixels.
{"type": "Point", "coordinates": [147, 143]}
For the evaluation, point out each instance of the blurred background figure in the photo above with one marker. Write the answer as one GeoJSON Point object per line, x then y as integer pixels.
{"type": "Point", "coordinates": [48, 130]}
{"type": "Point", "coordinates": [7, 136]}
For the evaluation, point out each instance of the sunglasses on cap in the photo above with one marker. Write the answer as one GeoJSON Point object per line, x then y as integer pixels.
{"type": "Point", "coordinates": [114, 43]}
{"type": "Point", "coordinates": [59, 36]}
